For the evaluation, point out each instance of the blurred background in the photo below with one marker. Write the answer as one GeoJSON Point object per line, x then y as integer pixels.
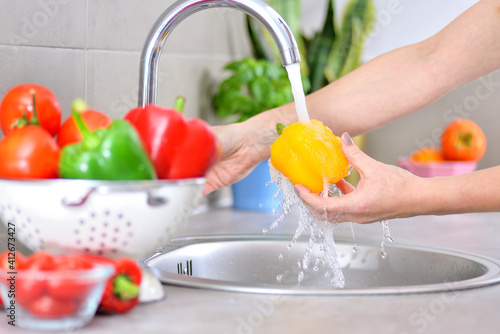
{"type": "Point", "coordinates": [91, 49]}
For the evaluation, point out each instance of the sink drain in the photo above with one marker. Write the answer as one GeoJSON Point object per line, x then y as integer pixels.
{"type": "Point", "coordinates": [264, 264]}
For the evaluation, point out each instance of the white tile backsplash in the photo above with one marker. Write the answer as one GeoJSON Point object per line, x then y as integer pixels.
{"type": "Point", "coordinates": [47, 23]}
{"type": "Point", "coordinates": [121, 24]}
{"type": "Point", "coordinates": [192, 77]}
{"type": "Point", "coordinates": [60, 70]}
{"type": "Point", "coordinates": [112, 81]}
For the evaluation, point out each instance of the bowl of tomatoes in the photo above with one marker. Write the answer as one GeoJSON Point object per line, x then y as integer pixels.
{"type": "Point", "coordinates": [44, 292]}
{"type": "Point", "coordinates": [463, 144]}
{"type": "Point", "coordinates": [437, 168]}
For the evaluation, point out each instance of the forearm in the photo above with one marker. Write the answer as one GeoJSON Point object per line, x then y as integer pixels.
{"type": "Point", "coordinates": [473, 192]}
{"type": "Point", "coordinates": [407, 79]}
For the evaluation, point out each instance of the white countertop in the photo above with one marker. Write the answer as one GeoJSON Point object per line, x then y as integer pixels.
{"type": "Point", "coordinates": [186, 310]}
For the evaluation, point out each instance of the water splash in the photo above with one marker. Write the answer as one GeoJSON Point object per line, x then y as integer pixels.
{"type": "Point", "coordinates": [319, 228]}
{"type": "Point", "coordinates": [386, 236]}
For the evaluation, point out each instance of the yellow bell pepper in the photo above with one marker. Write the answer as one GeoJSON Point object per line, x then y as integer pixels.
{"type": "Point", "coordinates": [309, 154]}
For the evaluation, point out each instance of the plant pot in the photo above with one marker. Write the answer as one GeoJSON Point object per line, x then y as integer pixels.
{"type": "Point", "coordinates": [255, 192]}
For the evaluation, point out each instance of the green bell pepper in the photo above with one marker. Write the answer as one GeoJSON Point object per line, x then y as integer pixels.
{"type": "Point", "coordinates": [115, 153]}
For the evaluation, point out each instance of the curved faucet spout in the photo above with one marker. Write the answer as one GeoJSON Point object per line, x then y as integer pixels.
{"type": "Point", "coordinates": [272, 21]}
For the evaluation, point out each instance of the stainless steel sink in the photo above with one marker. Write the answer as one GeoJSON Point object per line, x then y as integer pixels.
{"type": "Point", "coordinates": [264, 264]}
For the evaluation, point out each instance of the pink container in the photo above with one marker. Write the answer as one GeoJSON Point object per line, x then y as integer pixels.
{"type": "Point", "coordinates": [439, 168]}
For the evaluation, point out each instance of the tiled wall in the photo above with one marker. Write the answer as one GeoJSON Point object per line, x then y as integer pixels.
{"type": "Point", "coordinates": [91, 49]}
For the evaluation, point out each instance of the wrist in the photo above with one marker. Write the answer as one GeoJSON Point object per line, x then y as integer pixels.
{"type": "Point", "coordinates": [435, 196]}
{"type": "Point", "coordinates": [263, 127]}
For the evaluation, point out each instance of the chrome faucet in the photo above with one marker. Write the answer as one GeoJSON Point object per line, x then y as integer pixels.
{"type": "Point", "coordinates": [272, 21]}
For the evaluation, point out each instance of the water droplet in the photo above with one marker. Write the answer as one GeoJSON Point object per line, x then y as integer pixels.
{"type": "Point", "coordinates": [280, 257]}
{"type": "Point", "coordinates": [355, 249]}
{"type": "Point", "coordinates": [383, 253]}
{"type": "Point", "coordinates": [264, 230]}
{"type": "Point", "coordinates": [261, 205]}
{"type": "Point", "coordinates": [290, 245]}
{"type": "Point", "coordinates": [300, 277]}
{"type": "Point", "coordinates": [315, 268]}
{"type": "Point", "coordinates": [279, 278]}
{"type": "Point", "coordinates": [390, 239]}
{"type": "Point", "coordinates": [274, 211]}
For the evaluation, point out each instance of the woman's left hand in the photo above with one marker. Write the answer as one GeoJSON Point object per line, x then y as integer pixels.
{"type": "Point", "coordinates": [383, 191]}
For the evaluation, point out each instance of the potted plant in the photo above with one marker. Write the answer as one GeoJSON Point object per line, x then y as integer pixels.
{"type": "Point", "coordinates": [260, 83]}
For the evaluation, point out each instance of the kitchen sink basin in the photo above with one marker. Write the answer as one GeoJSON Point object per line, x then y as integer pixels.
{"type": "Point", "coordinates": [267, 264]}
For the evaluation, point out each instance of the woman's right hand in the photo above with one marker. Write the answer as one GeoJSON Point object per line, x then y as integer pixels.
{"type": "Point", "coordinates": [244, 145]}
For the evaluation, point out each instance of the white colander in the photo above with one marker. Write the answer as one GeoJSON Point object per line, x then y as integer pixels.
{"type": "Point", "coordinates": [112, 218]}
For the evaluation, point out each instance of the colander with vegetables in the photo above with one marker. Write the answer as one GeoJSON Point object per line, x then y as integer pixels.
{"type": "Point", "coordinates": [112, 187]}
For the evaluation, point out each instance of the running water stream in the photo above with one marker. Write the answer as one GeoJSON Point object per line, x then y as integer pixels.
{"type": "Point", "coordinates": [298, 92]}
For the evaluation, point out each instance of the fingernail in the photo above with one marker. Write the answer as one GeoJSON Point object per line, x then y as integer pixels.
{"type": "Point", "coordinates": [346, 137]}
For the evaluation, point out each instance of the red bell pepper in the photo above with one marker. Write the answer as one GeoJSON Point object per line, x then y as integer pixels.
{"type": "Point", "coordinates": [122, 289]}
{"type": "Point", "coordinates": [179, 148]}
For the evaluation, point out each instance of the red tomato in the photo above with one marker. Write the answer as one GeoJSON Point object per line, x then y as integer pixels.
{"type": "Point", "coordinates": [19, 101]}
{"type": "Point", "coordinates": [463, 140]}
{"type": "Point", "coordinates": [29, 287]}
{"type": "Point", "coordinates": [69, 133]}
{"type": "Point", "coordinates": [72, 262]}
{"type": "Point", "coordinates": [29, 152]}
{"type": "Point", "coordinates": [49, 307]}
{"type": "Point", "coordinates": [12, 261]}
{"type": "Point", "coordinates": [41, 260]}
{"type": "Point", "coordinates": [427, 155]}
{"type": "Point", "coordinates": [65, 286]}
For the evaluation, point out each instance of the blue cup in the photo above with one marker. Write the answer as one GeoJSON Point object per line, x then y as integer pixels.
{"type": "Point", "coordinates": [255, 192]}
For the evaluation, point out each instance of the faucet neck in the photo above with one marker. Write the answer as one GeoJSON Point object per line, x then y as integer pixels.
{"type": "Point", "coordinates": [182, 9]}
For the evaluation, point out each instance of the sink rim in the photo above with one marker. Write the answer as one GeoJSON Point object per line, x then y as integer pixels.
{"type": "Point", "coordinates": [489, 278]}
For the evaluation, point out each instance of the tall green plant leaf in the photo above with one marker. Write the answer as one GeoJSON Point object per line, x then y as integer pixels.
{"type": "Point", "coordinates": [353, 59]}
{"type": "Point", "coordinates": [319, 49]}
{"type": "Point", "coordinates": [357, 22]}
{"type": "Point", "coordinates": [259, 44]}
{"type": "Point", "coordinates": [290, 11]}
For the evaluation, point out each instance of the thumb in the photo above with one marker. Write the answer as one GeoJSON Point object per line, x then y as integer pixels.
{"type": "Point", "coordinates": [357, 158]}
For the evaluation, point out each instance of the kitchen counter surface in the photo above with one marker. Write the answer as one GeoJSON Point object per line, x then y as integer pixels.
{"type": "Point", "coordinates": [186, 310]}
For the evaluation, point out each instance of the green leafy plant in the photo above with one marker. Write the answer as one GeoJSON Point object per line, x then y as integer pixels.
{"type": "Point", "coordinates": [253, 86]}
